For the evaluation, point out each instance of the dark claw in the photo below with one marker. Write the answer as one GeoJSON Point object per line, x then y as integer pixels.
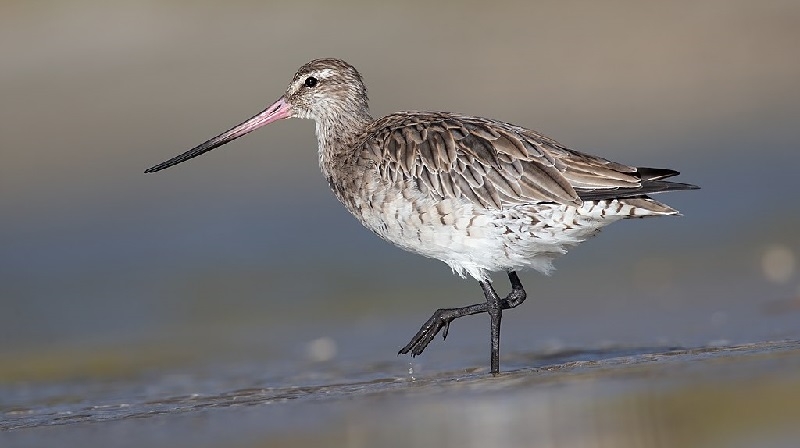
{"type": "Point", "coordinates": [440, 320]}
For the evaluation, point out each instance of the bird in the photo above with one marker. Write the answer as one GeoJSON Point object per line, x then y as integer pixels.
{"type": "Point", "coordinates": [481, 195]}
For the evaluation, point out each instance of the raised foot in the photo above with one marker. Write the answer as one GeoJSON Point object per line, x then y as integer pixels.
{"type": "Point", "coordinates": [439, 321]}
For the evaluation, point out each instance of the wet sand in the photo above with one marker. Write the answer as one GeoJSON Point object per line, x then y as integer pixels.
{"type": "Point", "coordinates": [741, 395]}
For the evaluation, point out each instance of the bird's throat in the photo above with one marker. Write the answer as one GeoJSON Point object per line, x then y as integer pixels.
{"type": "Point", "coordinates": [337, 138]}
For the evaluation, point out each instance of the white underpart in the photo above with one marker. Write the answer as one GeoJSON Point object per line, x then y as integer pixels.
{"type": "Point", "coordinates": [476, 242]}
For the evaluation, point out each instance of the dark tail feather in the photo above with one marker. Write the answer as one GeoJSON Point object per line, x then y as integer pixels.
{"type": "Point", "coordinates": [651, 183]}
{"type": "Point", "coordinates": [655, 173]}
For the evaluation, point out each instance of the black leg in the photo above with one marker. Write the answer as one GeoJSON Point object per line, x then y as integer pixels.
{"type": "Point", "coordinates": [495, 311]}
{"type": "Point", "coordinates": [493, 306]}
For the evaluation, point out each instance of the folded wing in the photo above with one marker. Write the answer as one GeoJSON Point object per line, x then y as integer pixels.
{"type": "Point", "coordinates": [496, 164]}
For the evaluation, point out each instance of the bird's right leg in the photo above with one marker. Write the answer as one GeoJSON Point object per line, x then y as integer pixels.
{"type": "Point", "coordinates": [440, 320]}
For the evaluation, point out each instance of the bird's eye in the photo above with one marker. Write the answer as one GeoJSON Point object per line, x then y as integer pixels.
{"type": "Point", "coordinates": [311, 81]}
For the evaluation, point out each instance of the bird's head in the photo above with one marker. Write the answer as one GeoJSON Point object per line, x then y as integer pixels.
{"type": "Point", "coordinates": [329, 91]}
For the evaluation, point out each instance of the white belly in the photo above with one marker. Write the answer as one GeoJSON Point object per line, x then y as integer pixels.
{"type": "Point", "coordinates": [475, 240]}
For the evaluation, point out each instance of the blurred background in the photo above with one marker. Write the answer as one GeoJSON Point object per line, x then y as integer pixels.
{"type": "Point", "coordinates": [242, 260]}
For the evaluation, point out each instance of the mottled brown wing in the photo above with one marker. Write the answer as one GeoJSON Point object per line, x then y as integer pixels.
{"type": "Point", "coordinates": [488, 162]}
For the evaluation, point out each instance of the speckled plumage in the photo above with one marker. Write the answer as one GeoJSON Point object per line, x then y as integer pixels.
{"type": "Point", "coordinates": [481, 195]}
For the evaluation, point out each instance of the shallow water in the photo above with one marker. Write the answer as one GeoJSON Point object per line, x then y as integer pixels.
{"type": "Point", "coordinates": [231, 301]}
{"type": "Point", "coordinates": [711, 396]}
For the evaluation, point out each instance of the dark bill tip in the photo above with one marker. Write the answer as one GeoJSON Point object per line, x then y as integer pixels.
{"type": "Point", "coordinates": [277, 111]}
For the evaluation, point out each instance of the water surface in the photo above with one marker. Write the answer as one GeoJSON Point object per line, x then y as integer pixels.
{"type": "Point", "coordinates": [232, 301]}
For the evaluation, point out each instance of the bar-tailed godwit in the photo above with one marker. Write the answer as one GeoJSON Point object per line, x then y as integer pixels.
{"type": "Point", "coordinates": [481, 195]}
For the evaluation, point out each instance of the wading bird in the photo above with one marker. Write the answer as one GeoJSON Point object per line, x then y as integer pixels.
{"type": "Point", "coordinates": [481, 195]}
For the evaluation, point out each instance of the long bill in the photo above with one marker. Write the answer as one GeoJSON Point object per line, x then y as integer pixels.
{"type": "Point", "coordinates": [278, 110]}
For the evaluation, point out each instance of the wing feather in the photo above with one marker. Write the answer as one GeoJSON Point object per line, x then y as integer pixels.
{"type": "Point", "coordinates": [494, 164]}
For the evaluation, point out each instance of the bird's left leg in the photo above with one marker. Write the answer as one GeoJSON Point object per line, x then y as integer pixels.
{"type": "Point", "coordinates": [495, 308]}
{"type": "Point", "coordinates": [495, 312]}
